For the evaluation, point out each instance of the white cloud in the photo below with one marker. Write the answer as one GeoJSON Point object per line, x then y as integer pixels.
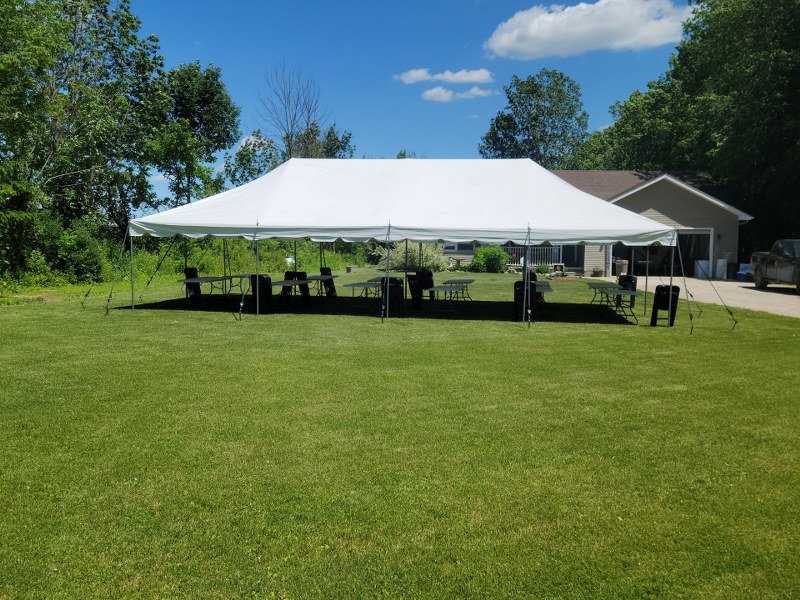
{"type": "Point", "coordinates": [441, 94]}
{"type": "Point", "coordinates": [462, 76]}
{"type": "Point", "coordinates": [557, 30]}
{"type": "Point", "coordinates": [414, 76]}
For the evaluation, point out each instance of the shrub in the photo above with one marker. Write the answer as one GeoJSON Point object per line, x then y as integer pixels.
{"type": "Point", "coordinates": [489, 259]}
{"type": "Point", "coordinates": [16, 240]}
{"type": "Point", "coordinates": [432, 257]}
{"type": "Point", "coordinates": [80, 251]}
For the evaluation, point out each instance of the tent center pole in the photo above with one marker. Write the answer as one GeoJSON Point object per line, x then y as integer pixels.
{"type": "Point", "coordinates": [130, 237]}
{"type": "Point", "coordinates": [258, 281]}
{"type": "Point", "coordinates": [646, 276]}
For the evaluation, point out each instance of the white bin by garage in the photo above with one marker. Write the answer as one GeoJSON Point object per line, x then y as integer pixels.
{"type": "Point", "coordinates": [701, 269]}
{"type": "Point", "coordinates": [721, 270]}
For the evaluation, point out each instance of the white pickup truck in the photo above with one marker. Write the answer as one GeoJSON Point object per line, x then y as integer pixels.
{"type": "Point", "coordinates": [779, 265]}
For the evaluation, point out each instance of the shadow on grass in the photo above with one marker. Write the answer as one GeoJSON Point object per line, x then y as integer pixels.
{"type": "Point", "coordinates": [474, 310]}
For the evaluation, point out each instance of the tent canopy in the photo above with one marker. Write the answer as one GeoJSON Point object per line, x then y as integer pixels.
{"type": "Point", "coordinates": [487, 201]}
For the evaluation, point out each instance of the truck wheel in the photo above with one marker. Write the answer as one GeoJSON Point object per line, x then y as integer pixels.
{"type": "Point", "coordinates": [758, 278]}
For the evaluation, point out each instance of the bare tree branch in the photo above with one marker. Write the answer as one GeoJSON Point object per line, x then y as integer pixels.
{"type": "Point", "coordinates": [289, 106]}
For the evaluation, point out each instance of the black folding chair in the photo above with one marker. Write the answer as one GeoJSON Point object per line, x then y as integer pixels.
{"type": "Point", "coordinates": [666, 298]}
{"type": "Point", "coordinates": [425, 282]}
{"type": "Point", "coordinates": [193, 292]}
{"type": "Point", "coordinates": [330, 288]}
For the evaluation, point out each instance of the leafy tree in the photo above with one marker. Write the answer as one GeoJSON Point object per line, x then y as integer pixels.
{"type": "Point", "coordinates": [544, 121]}
{"type": "Point", "coordinates": [254, 157]}
{"type": "Point", "coordinates": [202, 120]}
{"type": "Point", "coordinates": [310, 143]}
{"type": "Point", "coordinates": [75, 118]}
{"type": "Point", "coordinates": [77, 106]}
{"type": "Point", "coordinates": [728, 106]}
{"type": "Point", "coordinates": [650, 132]}
{"type": "Point", "coordinates": [32, 37]}
{"type": "Point", "coordinates": [739, 63]}
{"type": "Point", "coordinates": [337, 145]}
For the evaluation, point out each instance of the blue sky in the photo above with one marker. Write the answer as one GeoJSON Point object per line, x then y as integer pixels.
{"type": "Point", "coordinates": [422, 75]}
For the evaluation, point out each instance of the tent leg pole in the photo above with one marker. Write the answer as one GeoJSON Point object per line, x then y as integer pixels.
{"type": "Point", "coordinates": [671, 272]}
{"type": "Point", "coordinates": [646, 276]}
{"type": "Point", "coordinates": [405, 283]}
{"type": "Point", "coordinates": [631, 270]}
{"type": "Point", "coordinates": [258, 282]}
{"type": "Point", "coordinates": [385, 283]}
{"type": "Point", "coordinates": [130, 237]}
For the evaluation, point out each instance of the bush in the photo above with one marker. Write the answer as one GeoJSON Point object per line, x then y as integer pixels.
{"type": "Point", "coordinates": [432, 257]}
{"type": "Point", "coordinates": [81, 252]}
{"type": "Point", "coordinates": [17, 240]}
{"type": "Point", "coordinates": [489, 259]}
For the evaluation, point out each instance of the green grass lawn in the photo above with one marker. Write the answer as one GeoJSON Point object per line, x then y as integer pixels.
{"type": "Point", "coordinates": [183, 453]}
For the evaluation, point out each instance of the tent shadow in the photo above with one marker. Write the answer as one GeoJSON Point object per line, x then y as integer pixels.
{"type": "Point", "coordinates": [474, 310]}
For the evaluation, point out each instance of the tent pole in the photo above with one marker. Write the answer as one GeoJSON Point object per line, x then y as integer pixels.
{"type": "Point", "coordinates": [224, 263]}
{"type": "Point", "coordinates": [528, 300]}
{"type": "Point", "coordinates": [385, 285]}
{"type": "Point", "coordinates": [130, 237]}
{"type": "Point", "coordinates": [671, 272]}
{"type": "Point", "coordinates": [646, 276]}
{"type": "Point", "coordinates": [405, 283]}
{"type": "Point", "coordinates": [526, 279]}
{"type": "Point", "coordinates": [631, 270]}
{"type": "Point", "coordinates": [258, 279]}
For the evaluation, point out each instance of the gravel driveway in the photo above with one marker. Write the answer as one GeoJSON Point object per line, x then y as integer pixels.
{"type": "Point", "coordinates": [776, 299]}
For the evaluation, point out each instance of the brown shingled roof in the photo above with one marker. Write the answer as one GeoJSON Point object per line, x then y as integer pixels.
{"type": "Point", "coordinates": [610, 184]}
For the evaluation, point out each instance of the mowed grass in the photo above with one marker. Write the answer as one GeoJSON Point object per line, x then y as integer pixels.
{"type": "Point", "coordinates": [180, 453]}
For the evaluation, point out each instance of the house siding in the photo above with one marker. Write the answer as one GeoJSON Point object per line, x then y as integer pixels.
{"type": "Point", "coordinates": [676, 207]}
{"type": "Point", "coordinates": [672, 205]}
{"type": "Point", "coordinates": [594, 258]}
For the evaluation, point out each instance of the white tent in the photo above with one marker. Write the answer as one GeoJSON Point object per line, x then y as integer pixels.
{"type": "Point", "coordinates": [488, 201]}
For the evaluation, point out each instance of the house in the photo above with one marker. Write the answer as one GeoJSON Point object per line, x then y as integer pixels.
{"type": "Point", "coordinates": [708, 226]}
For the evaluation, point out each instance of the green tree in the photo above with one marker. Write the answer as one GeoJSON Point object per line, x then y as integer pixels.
{"type": "Point", "coordinates": [739, 63]}
{"type": "Point", "coordinates": [202, 120]}
{"type": "Point", "coordinates": [255, 156]}
{"type": "Point", "coordinates": [544, 120]}
{"type": "Point", "coordinates": [650, 132]}
{"type": "Point", "coordinates": [728, 106]}
{"type": "Point", "coordinates": [77, 106]}
{"type": "Point", "coordinates": [311, 143]}
{"type": "Point", "coordinates": [32, 37]}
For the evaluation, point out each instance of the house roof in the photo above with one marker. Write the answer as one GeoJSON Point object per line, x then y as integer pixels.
{"type": "Point", "coordinates": [615, 185]}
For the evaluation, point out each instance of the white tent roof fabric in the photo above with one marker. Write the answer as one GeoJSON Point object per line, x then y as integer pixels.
{"type": "Point", "coordinates": [487, 201]}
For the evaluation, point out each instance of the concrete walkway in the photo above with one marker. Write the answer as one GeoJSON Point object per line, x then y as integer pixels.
{"type": "Point", "coordinates": [776, 299]}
